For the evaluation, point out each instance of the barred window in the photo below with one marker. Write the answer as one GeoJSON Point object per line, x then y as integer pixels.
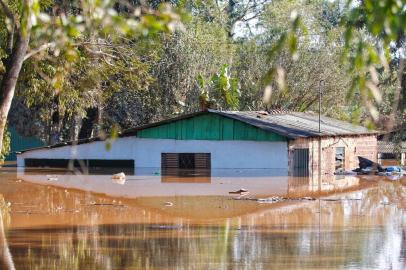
{"type": "Point", "coordinates": [186, 164]}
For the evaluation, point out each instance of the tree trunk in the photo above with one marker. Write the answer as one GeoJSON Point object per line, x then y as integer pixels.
{"type": "Point", "coordinates": [88, 123]}
{"type": "Point", "coordinates": [13, 65]}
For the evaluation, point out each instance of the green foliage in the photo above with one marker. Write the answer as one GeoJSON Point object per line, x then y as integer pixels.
{"type": "Point", "coordinates": [95, 29]}
{"type": "Point", "coordinates": [220, 91]}
{"type": "Point", "coordinates": [199, 50]}
{"type": "Point", "coordinates": [89, 82]}
{"type": "Point", "coordinates": [293, 83]}
{"type": "Point", "coordinates": [367, 51]}
{"type": "Point", "coordinates": [6, 145]}
{"type": "Point", "coordinates": [368, 30]}
{"type": "Point", "coordinates": [117, 60]}
{"type": "Point", "coordinates": [82, 52]}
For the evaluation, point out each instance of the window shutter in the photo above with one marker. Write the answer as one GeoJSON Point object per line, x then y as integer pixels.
{"type": "Point", "coordinates": [169, 160]}
{"type": "Point", "coordinates": [202, 161]}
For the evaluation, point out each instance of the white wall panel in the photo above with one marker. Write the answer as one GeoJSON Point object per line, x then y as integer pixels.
{"type": "Point", "coordinates": [147, 152]}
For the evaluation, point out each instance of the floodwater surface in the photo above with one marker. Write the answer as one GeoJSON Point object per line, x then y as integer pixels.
{"type": "Point", "coordinates": [58, 220]}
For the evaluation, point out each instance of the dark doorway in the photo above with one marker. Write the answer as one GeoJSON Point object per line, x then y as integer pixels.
{"type": "Point", "coordinates": [301, 162]}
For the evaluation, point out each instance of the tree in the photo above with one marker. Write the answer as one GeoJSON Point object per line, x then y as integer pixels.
{"type": "Point", "coordinates": [298, 87]}
{"type": "Point", "coordinates": [370, 29]}
{"type": "Point", "coordinates": [221, 91]}
{"type": "Point", "coordinates": [38, 28]}
{"type": "Point", "coordinates": [202, 49]}
{"type": "Point", "coordinates": [85, 89]}
{"type": "Point", "coordinates": [232, 15]}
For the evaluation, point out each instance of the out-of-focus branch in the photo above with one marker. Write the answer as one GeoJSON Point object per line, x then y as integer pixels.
{"type": "Point", "coordinates": [10, 14]}
{"type": "Point", "coordinates": [41, 48]}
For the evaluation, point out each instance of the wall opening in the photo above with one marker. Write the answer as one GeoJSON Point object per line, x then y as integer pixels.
{"type": "Point", "coordinates": [301, 162]}
{"type": "Point", "coordinates": [186, 161]}
{"type": "Point", "coordinates": [390, 159]}
{"type": "Point", "coordinates": [186, 164]}
{"type": "Point", "coordinates": [340, 159]}
{"type": "Point", "coordinates": [91, 166]}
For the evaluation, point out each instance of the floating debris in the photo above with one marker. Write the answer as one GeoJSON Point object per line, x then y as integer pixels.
{"type": "Point", "coordinates": [339, 200]}
{"type": "Point", "coordinates": [274, 199]}
{"type": "Point", "coordinates": [271, 199]}
{"type": "Point", "coordinates": [168, 203]}
{"type": "Point", "coordinates": [52, 178]}
{"type": "Point", "coordinates": [308, 198]}
{"type": "Point", "coordinates": [241, 192]}
{"type": "Point", "coordinates": [118, 178]}
{"type": "Point", "coordinates": [106, 204]}
{"type": "Point", "coordinates": [166, 227]}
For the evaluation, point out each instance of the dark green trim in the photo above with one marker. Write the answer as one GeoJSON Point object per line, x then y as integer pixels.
{"type": "Point", "coordinates": [20, 143]}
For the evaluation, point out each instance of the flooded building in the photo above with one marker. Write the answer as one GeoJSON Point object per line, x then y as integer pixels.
{"type": "Point", "coordinates": [218, 142]}
{"type": "Point", "coordinates": [392, 148]}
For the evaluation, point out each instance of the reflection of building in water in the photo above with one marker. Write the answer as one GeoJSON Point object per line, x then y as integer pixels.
{"type": "Point", "coordinates": [259, 183]}
{"type": "Point", "coordinates": [300, 186]}
{"type": "Point", "coordinates": [214, 140]}
{"type": "Point", "coordinates": [185, 176]}
{"type": "Point", "coordinates": [363, 234]}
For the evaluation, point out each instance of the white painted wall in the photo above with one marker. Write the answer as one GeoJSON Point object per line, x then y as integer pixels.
{"type": "Point", "coordinates": [147, 152]}
{"type": "Point", "coordinates": [122, 148]}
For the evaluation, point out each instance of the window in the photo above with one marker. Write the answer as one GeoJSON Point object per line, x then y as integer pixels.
{"type": "Point", "coordinates": [92, 166]}
{"type": "Point", "coordinates": [340, 159]}
{"type": "Point", "coordinates": [301, 162]}
{"type": "Point", "coordinates": [186, 161]}
{"type": "Point", "coordinates": [389, 156]}
{"type": "Point", "coordinates": [186, 164]}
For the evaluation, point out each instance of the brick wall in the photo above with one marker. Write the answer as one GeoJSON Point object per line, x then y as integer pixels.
{"type": "Point", "coordinates": [363, 145]}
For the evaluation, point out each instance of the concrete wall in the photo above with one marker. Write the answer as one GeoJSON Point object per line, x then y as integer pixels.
{"type": "Point", "coordinates": [122, 148]}
{"type": "Point", "coordinates": [147, 152]}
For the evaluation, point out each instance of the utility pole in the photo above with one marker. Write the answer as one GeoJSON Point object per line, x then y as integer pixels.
{"type": "Point", "coordinates": [321, 84]}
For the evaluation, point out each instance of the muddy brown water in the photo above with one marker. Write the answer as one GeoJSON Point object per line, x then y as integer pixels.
{"type": "Point", "coordinates": [59, 220]}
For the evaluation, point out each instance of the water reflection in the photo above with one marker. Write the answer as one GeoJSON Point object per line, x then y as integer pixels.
{"type": "Point", "coordinates": [64, 228]}
{"type": "Point", "coordinates": [186, 176]}
{"type": "Point", "coordinates": [259, 183]}
{"type": "Point", "coordinates": [6, 260]}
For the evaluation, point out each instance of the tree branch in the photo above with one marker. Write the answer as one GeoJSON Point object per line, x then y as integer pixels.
{"type": "Point", "coordinates": [250, 18]}
{"type": "Point", "coordinates": [41, 48]}
{"type": "Point", "coordinates": [100, 52]}
{"type": "Point", "coordinates": [10, 14]}
{"type": "Point", "coordinates": [10, 40]}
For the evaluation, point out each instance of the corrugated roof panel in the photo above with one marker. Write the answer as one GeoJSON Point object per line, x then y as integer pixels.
{"type": "Point", "coordinates": [296, 124]}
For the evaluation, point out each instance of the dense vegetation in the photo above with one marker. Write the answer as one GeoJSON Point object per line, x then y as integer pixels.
{"type": "Point", "coordinates": [236, 54]}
